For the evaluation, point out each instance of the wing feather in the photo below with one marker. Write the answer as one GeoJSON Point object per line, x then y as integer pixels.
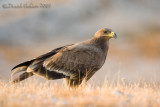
{"type": "Point", "coordinates": [72, 59]}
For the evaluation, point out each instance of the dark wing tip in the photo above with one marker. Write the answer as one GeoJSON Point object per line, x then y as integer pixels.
{"type": "Point", "coordinates": [14, 68]}
{"type": "Point", "coordinates": [27, 63]}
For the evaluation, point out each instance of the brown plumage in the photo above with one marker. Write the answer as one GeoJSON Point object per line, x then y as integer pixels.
{"type": "Point", "coordinates": [74, 62]}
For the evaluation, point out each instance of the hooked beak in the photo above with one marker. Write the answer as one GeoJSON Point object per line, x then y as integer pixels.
{"type": "Point", "coordinates": [113, 35]}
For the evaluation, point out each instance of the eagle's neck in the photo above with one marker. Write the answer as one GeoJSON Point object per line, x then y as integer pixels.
{"type": "Point", "coordinates": [102, 43]}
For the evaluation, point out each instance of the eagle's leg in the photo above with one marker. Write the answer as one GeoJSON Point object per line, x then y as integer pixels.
{"type": "Point", "coordinates": [75, 80]}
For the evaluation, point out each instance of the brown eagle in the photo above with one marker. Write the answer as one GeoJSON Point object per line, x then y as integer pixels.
{"type": "Point", "coordinates": [74, 62]}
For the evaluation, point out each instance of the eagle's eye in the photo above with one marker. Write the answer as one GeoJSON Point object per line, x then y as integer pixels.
{"type": "Point", "coordinates": [105, 32]}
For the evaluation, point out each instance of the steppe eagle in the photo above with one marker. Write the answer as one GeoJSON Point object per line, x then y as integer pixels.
{"type": "Point", "coordinates": [74, 62]}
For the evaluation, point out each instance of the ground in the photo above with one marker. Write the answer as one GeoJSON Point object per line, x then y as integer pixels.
{"type": "Point", "coordinates": [49, 94]}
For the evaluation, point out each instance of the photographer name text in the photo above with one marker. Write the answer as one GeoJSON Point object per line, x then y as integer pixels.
{"type": "Point", "coordinates": [30, 5]}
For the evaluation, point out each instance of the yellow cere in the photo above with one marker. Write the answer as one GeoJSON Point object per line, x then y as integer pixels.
{"type": "Point", "coordinates": [111, 34]}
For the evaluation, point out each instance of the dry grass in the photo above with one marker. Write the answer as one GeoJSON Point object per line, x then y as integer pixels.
{"type": "Point", "coordinates": [50, 94]}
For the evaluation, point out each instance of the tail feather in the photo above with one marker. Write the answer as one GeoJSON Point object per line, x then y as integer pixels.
{"type": "Point", "coordinates": [19, 68]}
{"type": "Point", "coordinates": [21, 77]}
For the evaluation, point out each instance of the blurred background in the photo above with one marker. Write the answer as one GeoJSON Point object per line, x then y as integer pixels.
{"type": "Point", "coordinates": [29, 28]}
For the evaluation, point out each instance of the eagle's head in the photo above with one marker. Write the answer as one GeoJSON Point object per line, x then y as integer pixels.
{"type": "Point", "coordinates": [105, 33]}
